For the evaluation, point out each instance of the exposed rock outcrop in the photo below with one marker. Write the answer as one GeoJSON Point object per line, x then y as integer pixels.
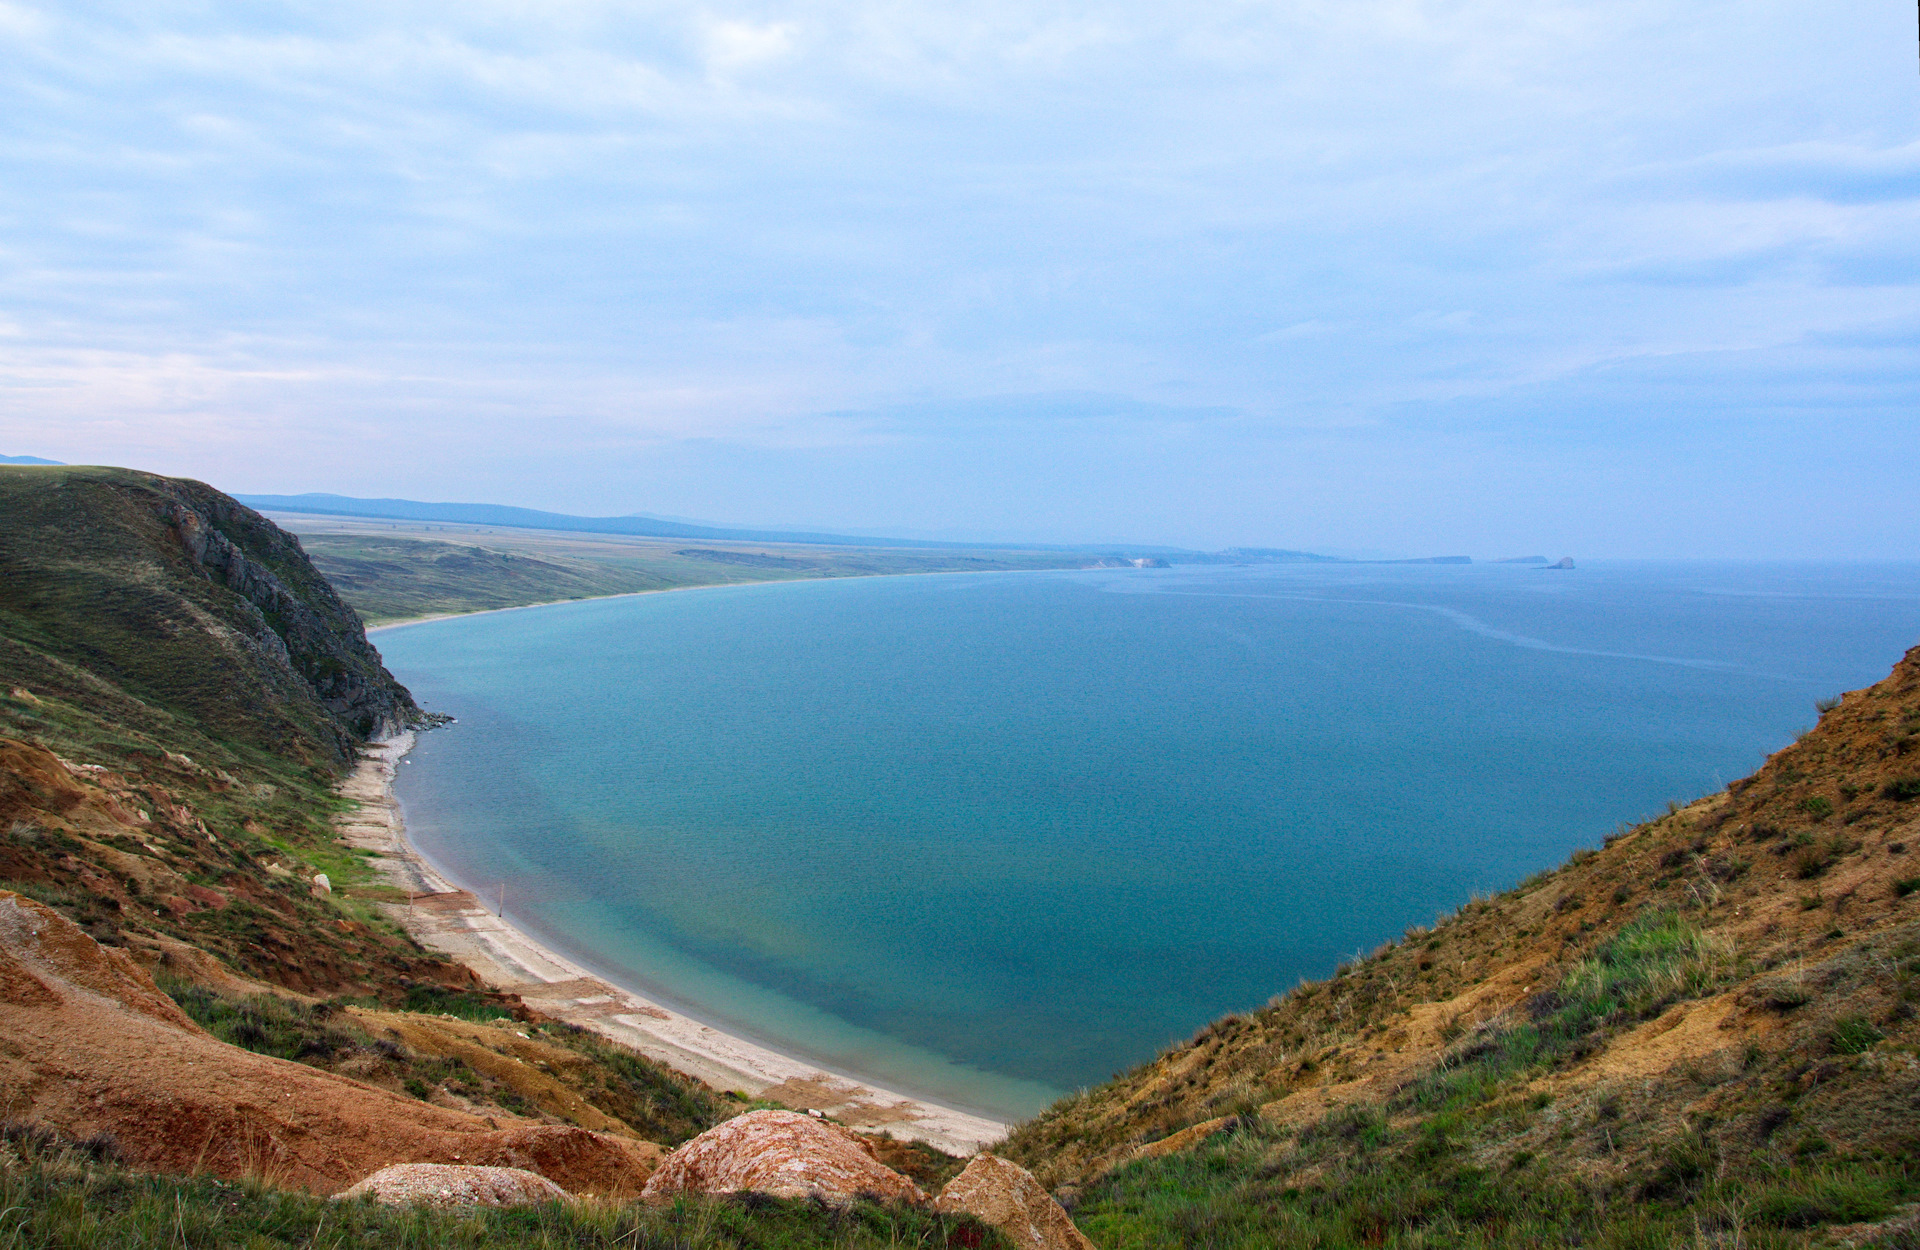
{"type": "Point", "coordinates": [310, 631]}
{"type": "Point", "coordinates": [780, 1153]}
{"type": "Point", "coordinates": [454, 1185]}
{"type": "Point", "coordinates": [1007, 1196]}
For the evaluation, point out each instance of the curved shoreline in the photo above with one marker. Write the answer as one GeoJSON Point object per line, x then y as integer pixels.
{"type": "Point", "coordinates": [453, 922]}
{"type": "Point", "coordinates": [552, 603]}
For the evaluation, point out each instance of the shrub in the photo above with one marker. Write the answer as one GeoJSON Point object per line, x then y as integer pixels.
{"type": "Point", "coordinates": [1853, 1035]}
{"type": "Point", "coordinates": [1901, 789]}
{"type": "Point", "coordinates": [1905, 886]}
{"type": "Point", "coordinates": [463, 1004]}
{"type": "Point", "coordinates": [1785, 995]}
{"type": "Point", "coordinates": [1827, 1197]}
{"type": "Point", "coordinates": [1813, 860]}
{"type": "Point", "coordinates": [1817, 807]}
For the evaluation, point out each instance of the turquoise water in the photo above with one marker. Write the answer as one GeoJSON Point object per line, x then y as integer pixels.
{"type": "Point", "coordinates": [989, 837]}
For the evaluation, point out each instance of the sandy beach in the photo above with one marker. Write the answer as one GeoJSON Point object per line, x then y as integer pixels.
{"type": "Point", "coordinates": [455, 923]}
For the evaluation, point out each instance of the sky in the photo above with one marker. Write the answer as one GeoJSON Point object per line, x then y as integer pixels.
{"type": "Point", "coordinates": [1490, 277]}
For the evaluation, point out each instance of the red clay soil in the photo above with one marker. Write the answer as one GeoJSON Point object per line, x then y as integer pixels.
{"type": "Point", "coordinates": [149, 873]}
{"type": "Point", "coordinates": [88, 1044]}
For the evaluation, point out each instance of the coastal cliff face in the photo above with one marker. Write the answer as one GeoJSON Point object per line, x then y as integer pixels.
{"type": "Point", "coordinates": [309, 631]}
{"type": "Point", "coordinates": [179, 690]}
{"type": "Point", "coordinates": [185, 601]}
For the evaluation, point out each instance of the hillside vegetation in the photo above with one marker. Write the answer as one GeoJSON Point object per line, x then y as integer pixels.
{"type": "Point", "coordinates": [400, 570]}
{"type": "Point", "coordinates": [64, 1193]}
{"type": "Point", "coordinates": [179, 691]}
{"type": "Point", "coordinates": [161, 605]}
{"type": "Point", "coordinates": [1704, 1032]}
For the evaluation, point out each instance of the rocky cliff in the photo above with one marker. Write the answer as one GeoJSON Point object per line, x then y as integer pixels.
{"type": "Point", "coordinates": [189, 603]}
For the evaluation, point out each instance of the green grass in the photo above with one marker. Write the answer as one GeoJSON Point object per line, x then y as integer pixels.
{"type": "Point", "coordinates": [1902, 788]}
{"type": "Point", "coordinates": [653, 1100]}
{"type": "Point", "coordinates": [1351, 1180]}
{"type": "Point", "coordinates": [1853, 1035]}
{"type": "Point", "coordinates": [268, 1024]}
{"type": "Point", "coordinates": [59, 1195]}
{"type": "Point", "coordinates": [461, 1004]}
{"type": "Point", "coordinates": [1658, 959]}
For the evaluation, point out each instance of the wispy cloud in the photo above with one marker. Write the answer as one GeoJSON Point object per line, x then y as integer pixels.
{"type": "Point", "coordinates": [720, 246]}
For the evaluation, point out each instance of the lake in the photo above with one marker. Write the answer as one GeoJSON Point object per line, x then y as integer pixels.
{"type": "Point", "coordinates": [989, 837]}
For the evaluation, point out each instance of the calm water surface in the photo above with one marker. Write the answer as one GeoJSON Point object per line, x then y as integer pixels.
{"type": "Point", "coordinates": [988, 837]}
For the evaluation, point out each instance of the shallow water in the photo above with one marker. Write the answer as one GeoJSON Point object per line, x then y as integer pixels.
{"type": "Point", "coordinates": [988, 837]}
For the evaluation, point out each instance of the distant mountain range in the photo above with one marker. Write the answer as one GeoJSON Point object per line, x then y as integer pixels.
{"type": "Point", "coordinates": [532, 519]}
{"type": "Point", "coordinates": [26, 460]}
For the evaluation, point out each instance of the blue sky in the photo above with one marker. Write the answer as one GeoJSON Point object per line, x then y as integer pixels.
{"type": "Point", "coordinates": [1483, 276]}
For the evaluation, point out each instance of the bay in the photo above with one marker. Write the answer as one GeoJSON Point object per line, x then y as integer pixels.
{"type": "Point", "coordinates": [989, 837]}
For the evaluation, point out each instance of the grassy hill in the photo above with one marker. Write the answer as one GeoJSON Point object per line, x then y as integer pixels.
{"type": "Point", "coordinates": [391, 578]}
{"type": "Point", "coordinates": [186, 659]}
{"type": "Point", "coordinates": [1703, 1034]}
{"type": "Point", "coordinates": [139, 597]}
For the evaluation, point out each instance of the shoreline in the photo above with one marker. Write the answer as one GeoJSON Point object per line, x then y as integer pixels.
{"type": "Point", "coordinates": [370, 630]}
{"type": "Point", "coordinates": [550, 603]}
{"type": "Point", "coordinates": [454, 923]}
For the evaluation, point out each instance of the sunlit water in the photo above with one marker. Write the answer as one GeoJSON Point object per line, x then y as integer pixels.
{"type": "Point", "coordinates": [988, 837]}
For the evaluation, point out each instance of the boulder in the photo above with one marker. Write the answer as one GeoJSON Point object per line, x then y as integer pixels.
{"type": "Point", "coordinates": [1007, 1196]}
{"type": "Point", "coordinates": [780, 1153]}
{"type": "Point", "coordinates": [454, 1185]}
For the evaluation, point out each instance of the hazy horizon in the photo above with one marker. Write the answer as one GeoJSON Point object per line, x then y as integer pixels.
{"type": "Point", "coordinates": [1394, 277]}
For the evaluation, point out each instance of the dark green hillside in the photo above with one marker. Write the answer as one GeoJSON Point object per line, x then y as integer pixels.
{"type": "Point", "coordinates": [125, 588]}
